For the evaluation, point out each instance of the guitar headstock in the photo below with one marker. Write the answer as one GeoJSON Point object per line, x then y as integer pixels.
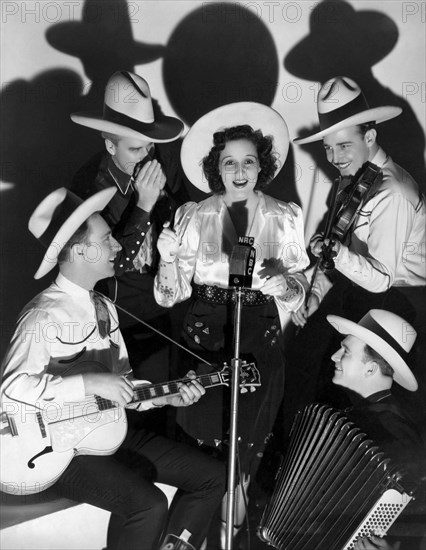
{"type": "Point", "coordinates": [249, 376]}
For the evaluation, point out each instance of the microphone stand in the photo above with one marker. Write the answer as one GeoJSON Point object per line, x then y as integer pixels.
{"type": "Point", "coordinates": [233, 428]}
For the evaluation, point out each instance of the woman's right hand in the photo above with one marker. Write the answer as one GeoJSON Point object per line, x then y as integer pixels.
{"type": "Point", "coordinates": [168, 244]}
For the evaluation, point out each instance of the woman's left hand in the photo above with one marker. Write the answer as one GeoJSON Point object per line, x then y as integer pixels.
{"type": "Point", "coordinates": [275, 286]}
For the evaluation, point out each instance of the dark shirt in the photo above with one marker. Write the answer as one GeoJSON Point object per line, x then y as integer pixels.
{"type": "Point", "coordinates": [128, 222]}
{"type": "Point", "coordinates": [381, 417]}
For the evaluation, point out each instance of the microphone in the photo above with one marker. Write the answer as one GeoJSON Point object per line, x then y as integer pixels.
{"type": "Point", "coordinates": [242, 262]}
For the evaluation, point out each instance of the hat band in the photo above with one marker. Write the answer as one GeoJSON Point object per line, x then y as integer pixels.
{"type": "Point", "coordinates": [62, 212]}
{"type": "Point", "coordinates": [124, 120]}
{"type": "Point", "coordinates": [335, 116]}
{"type": "Point", "coordinates": [370, 324]}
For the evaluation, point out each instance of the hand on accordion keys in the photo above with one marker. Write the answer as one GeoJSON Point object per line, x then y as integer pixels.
{"type": "Point", "coordinates": [374, 543]}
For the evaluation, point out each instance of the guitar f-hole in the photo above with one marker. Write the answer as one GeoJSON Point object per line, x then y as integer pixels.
{"type": "Point", "coordinates": [46, 450]}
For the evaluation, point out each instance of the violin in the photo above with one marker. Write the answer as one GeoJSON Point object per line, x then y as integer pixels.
{"type": "Point", "coordinates": [352, 197]}
{"type": "Point", "coordinates": [345, 205]}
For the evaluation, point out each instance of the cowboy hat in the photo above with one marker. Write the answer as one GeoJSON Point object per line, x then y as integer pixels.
{"type": "Point", "coordinates": [340, 41]}
{"type": "Point", "coordinates": [105, 30]}
{"type": "Point", "coordinates": [128, 112]}
{"type": "Point", "coordinates": [389, 335]}
{"type": "Point", "coordinates": [342, 104]}
{"type": "Point", "coordinates": [199, 140]}
{"type": "Point", "coordinates": [57, 218]}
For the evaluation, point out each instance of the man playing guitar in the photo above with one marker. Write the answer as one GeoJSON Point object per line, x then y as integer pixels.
{"type": "Point", "coordinates": [68, 349]}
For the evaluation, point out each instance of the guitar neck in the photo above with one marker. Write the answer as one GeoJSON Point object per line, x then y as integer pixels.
{"type": "Point", "coordinates": [146, 392]}
{"type": "Point", "coordinates": [151, 391]}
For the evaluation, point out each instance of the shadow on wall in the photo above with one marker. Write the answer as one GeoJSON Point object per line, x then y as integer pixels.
{"type": "Point", "coordinates": [218, 54]}
{"type": "Point", "coordinates": [346, 42]}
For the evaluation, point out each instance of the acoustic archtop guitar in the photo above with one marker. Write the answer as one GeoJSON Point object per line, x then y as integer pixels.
{"type": "Point", "coordinates": [37, 444]}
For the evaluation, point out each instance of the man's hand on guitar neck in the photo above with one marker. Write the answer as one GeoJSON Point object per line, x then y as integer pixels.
{"type": "Point", "coordinates": [109, 386]}
{"type": "Point", "coordinates": [188, 394]}
{"type": "Point", "coordinates": [121, 390]}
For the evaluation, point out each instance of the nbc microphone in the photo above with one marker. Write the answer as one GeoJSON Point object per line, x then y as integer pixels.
{"type": "Point", "coordinates": [242, 262]}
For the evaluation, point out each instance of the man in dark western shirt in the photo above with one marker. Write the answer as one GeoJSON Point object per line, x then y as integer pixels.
{"type": "Point", "coordinates": [373, 355]}
{"type": "Point", "coordinates": [149, 189]}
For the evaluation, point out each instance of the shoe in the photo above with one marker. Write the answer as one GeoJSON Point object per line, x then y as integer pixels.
{"type": "Point", "coordinates": [239, 511]}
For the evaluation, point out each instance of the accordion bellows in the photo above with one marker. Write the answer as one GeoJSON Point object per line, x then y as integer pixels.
{"type": "Point", "coordinates": [333, 486]}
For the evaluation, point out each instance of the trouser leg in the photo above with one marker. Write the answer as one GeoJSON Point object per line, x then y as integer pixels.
{"type": "Point", "coordinates": [114, 486]}
{"type": "Point", "coordinates": [200, 478]}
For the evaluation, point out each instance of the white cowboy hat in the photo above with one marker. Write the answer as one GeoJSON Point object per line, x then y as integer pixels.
{"type": "Point", "coordinates": [57, 218]}
{"type": "Point", "coordinates": [389, 335]}
{"type": "Point", "coordinates": [128, 112]}
{"type": "Point", "coordinates": [342, 104]}
{"type": "Point", "coordinates": [199, 140]}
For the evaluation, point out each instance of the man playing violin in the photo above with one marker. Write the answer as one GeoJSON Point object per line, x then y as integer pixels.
{"type": "Point", "coordinates": [380, 261]}
{"type": "Point", "coordinates": [67, 347]}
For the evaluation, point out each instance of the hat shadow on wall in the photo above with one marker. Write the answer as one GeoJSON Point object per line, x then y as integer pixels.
{"type": "Point", "coordinates": [218, 54]}
{"type": "Point", "coordinates": [42, 148]}
{"type": "Point", "coordinates": [346, 42]}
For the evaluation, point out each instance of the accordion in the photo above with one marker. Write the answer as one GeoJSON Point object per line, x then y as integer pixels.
{"type": "Point", "coordinates": [333, 486]}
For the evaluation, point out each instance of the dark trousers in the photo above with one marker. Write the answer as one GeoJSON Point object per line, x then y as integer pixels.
{"type": "Point", "coordinates": [123, 484]}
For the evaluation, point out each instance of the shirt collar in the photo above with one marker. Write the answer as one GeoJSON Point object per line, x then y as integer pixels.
{"type": "Point", "coordinates": [71, 288]}
{"type": "Point", "coordinates": [378, 396]}
{"type": "Point", "coordinates": [380, 158]}
{"type": "Point", "coordinates": [122, 180]}
{"type": "Point", "coordinates": [358, 400]}
{"type": "Point", "coordinates": [219, 204]}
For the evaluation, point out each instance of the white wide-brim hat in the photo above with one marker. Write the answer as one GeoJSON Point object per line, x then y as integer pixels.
{"type": "Point", "coordinates": [128, 112]}
{"type": "Point", "coordinates": [389, 335]}
{"type": "Point", "coordinates": [199, 140]}
{"type": "Point", "coordinates": [57, 218]}
{"type": "Point", "coordinates": [341, 104]}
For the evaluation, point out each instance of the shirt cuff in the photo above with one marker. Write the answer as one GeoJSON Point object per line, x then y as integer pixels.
{"type": "Point", "coordinates": [142, 406]}
{"type": "Point", "coordinates": [294, 295]}
{"type": "Point", "coordinates": [140, 219]}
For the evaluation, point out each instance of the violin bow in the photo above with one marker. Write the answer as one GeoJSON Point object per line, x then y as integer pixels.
{"type": "Point", "coordinates": [163, 335]}
{"type": "Point", "coordinates": [328, 229]}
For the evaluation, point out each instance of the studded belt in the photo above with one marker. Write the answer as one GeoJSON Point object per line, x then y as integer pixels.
{"type": "Point", "coordinates": [221, 296]}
